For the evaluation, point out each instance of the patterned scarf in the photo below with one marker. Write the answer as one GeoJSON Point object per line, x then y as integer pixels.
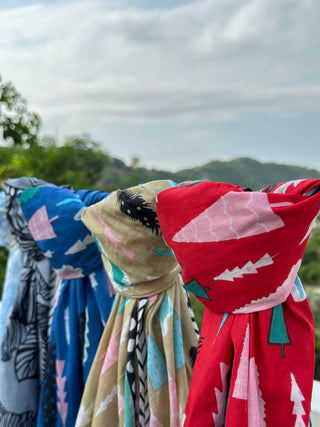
{"type": "Point", "coordinates": [13, 267]}
{"type": "Point", "coordinates": [24, 347]}
{"type": "Point", "coordinates": [240, 252]}
{"type": "Point", "coordinates": [83, 303]}
{"type": "Point", "coordinates": [142, 369]}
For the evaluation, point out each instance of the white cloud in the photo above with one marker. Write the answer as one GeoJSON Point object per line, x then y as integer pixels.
{"type": "Point", "coordinates": [84, 65]}
{"type": "Point", "coordinates": [81, 49]}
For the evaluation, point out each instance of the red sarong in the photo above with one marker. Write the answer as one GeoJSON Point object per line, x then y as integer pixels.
{"type": "Point", "coordinates": [240, 253]}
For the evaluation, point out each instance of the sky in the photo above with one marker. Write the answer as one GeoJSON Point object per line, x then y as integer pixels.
{"type": "Point", "coordinates": [175, 83]}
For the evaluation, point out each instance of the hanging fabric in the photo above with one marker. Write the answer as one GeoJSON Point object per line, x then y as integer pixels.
{"type": "Point", "coordinates": [13, 267]}
{"type": "Point", "coordinates": [83, 301]}
{"type": "Point", "coordinates": [142, 370]}
{"type": "Point", "coordinates": [24, 346]}
{"type": "Point", "coordinates": [240, 252]}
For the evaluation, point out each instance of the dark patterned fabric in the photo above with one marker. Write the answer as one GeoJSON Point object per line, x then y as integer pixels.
{"type": "Point", "coordinates": [24, 346]}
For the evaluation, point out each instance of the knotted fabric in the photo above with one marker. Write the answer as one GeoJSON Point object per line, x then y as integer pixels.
{"type": "Point", "coordinates": [142, 369]}
{"type": "Point", "coordinates": [24, 346]}
{"type": "Point", "coordinates": [240, 252]}
{"type": "Point", "coordinates": [83, 302]}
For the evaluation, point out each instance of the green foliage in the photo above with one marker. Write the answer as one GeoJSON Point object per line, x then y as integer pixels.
{"type": "Point", "coordinates": [314, 299]}
{"type": "Point", "coordinates": [79, 162]}
{"type": "Point", "coordinates": [310, 269]}
{"type": "Point", "coordinates": [310, 273]}
{"type": "Point", "coordinates": [18, 125]}
{"type": "Point", "coordinates": [317, 356]}
{"type": "Point", "coordinates": [198, 309]}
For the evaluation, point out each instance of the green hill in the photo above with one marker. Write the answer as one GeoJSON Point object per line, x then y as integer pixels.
{"type": "Point", "coordinates": [241, 171]}
{"type": "Point", "coordinates": [247, 172]}
{"type": "Point", "coordinates": [81, 163]}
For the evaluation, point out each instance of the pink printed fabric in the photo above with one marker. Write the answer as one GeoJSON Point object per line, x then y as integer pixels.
{"type": "Point", "coordinates": [240, 253]}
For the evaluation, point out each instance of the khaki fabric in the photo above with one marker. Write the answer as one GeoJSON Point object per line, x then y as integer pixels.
{"type": "Point", "coordinates": [143, 366]}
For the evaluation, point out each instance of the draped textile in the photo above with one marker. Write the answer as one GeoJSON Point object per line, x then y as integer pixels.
{"type": "Point", "coordinates": [83, 302]}
{"type": "Point", "coordinates": [24, 346]}
{"type": "Point", "coordinates": [141, 373]}
{"type": "Point", "coordinates": [13, 267]}
{"type": "Point", "coordinates": [240, 252]}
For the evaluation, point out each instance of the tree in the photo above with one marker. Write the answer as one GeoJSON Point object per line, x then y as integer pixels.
{"type": "Point", "coordinates": [278, 333]}
{"type": "Point", "coordinates": [78, 162]}
{"type": "Point", "coordinates": [18, 125]}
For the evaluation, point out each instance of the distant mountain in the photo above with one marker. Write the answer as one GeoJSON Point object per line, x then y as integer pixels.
{"type": "Point", "coordinates": [241, 171]}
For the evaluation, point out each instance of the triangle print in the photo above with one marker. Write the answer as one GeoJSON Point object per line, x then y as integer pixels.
{"type": "Point", "coordinates": [40, 225]}
{"type": "Point", "coordinates": [233, 216]}
{"type": "Point", "coordinates": [196, 289]}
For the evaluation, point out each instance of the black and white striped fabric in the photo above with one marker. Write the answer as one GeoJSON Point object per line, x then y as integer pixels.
{"type": "Point", "coordinates": [137, 348]}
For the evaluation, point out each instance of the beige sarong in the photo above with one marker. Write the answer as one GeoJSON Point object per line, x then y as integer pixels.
{"type": "Point", "coordinates": [143, 366]}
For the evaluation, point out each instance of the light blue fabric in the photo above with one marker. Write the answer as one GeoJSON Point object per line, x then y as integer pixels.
{"type": "Point", "coordinates": [24, 344]}
{"type": "Point", "coordinates": [13, 268]}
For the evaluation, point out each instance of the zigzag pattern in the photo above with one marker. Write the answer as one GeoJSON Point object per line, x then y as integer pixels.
{"type": "Point", "coordinates": [137, 353]}
{"type": "Point", "coordinates": [130, 353]}
{"type": "Point", "coordinates": [141, 348]}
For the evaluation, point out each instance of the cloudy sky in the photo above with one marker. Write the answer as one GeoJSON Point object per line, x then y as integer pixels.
{"type": "Point", "coordinates": [176, 83]}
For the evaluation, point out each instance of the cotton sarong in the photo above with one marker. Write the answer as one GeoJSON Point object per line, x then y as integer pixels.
{"type": "Point", "coordinates": [143, 366]}
{"type": "Point", "coordinates": [240, 252]}
{"type": "Point", "coordinates": [83, 301]}
{"type": "Point", "coordinates": [24, 345]}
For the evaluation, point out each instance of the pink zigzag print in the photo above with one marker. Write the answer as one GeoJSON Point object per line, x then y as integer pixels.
{"type": "Point", "coordinates": [256, 405]}
{"type": "Point", "coordinates": [247, 385]}
{"type": "Point", "coordinates": [61, 382]}
{"type": "Point", "coordinates": [248, 268]}
{"type": "Point", "coordinates": [112, 353]}
{"type": "Point", "coordinates": [240, 390]}
{"type": "Point", "coordinates": [113, 239]}
{"type": "Point", "coordinates": [275, 298]}
{"type": "Point", "coordinates": [174, 403]}
{"type": "Point", "coordinates": [233, 216]}
{"type": "Point", "coordinates": [297, 398]}
{"type": "Point", "coordinates": [221, 397]}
